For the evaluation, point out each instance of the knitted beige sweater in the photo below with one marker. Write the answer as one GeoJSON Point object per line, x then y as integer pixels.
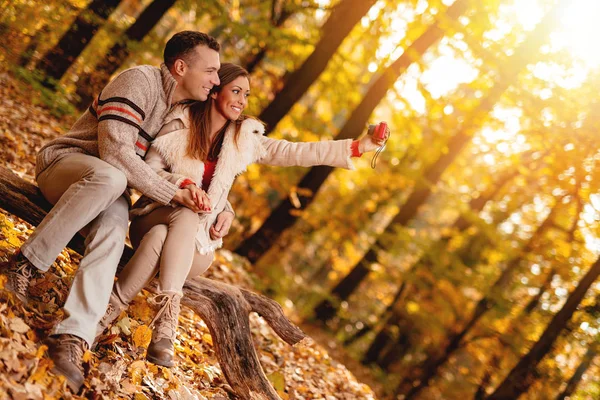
{"type": "Point", "coordinates": [119, 126]}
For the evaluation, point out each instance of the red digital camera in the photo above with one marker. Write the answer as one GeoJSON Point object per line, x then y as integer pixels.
{"type": "Point", "coordinates": [379, 131]}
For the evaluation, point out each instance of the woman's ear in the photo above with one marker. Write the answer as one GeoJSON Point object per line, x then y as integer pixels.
{"type": "Point", "coordinates": [213, 95]}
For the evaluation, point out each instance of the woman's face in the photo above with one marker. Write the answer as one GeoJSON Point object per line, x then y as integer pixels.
{"type": "Point", "coordinates": [231, 101]}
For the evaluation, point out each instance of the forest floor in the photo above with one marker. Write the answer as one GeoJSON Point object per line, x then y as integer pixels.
{"type": "Point", "coordinates": [117, 368]}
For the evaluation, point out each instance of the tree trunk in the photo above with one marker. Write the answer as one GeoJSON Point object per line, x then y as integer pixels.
{"type": "Point", "coordinates": [520, 378]}
{"type": "Point", "coordinates": [89, 85]}
{"type": "Point", "coordinates": [58, 60]}
{"type": "Point", "coordinates": [576, 378]}
{"type": "Point", "coordinates": [422, 374]}
{"type": "Point", "coordinates": [282, 217]}
{"type": "Point", "coordinates": [224, 308]}
{"type": "Point", "coordinates": [342, 20]}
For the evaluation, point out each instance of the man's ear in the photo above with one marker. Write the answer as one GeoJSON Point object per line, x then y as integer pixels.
{"type": "Point", "coordinates": [179, 67]}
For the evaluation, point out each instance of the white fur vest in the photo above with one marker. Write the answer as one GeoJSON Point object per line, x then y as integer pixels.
{"type": "Point", "coordinates": [233, 160]}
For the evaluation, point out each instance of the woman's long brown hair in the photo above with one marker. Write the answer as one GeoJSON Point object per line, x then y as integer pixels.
{"type": "Point", "coordinates": [200, 146]}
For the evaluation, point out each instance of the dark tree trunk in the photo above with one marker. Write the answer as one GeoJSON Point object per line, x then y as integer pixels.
{"type": "Point", "coordinates": [412, 385]}
{"type": "Point", "coordinates": [58, 60]}
{"type": "Point", "coordinates": [282, 217]}
{"type": "Point", "coordinates": [522, 375]}
{"type": "Point", "coordinates": [90, 84]}
{"type": "Point", "coordinates": [342, 20]}
{"type": "Point", "coordinates": [576, 378]}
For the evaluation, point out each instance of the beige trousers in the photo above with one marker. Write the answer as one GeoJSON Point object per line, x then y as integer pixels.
{"type": "Point", "coordinates": [164, 241]}
{"type": "Point", "coordinates": [87, 197]}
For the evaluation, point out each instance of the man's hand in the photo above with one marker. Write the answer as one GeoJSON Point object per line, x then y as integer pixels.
{"type": "Point", "coordinates": [185, 198]}
{"type": "Point", "coordinates": [221, 226]}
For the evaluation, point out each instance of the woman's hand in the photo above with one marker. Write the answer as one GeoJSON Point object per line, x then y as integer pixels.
{"type": "Point", "coordinates": [200, 198]}
{"type": "Point", "coordinates": [369, 143]}
{"type": "Point", "coordinates": [221, 226]}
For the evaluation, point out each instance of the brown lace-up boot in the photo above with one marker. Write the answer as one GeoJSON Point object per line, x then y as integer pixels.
{"type": "Point", "coordinates": [161, 350]}
{"type": "Point", "coordinates": [66, 351]}
{"type": "Point", "coordinates": [20, 272]}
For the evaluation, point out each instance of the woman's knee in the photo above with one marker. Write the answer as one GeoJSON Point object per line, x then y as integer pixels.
{"type": "Point", "coordinates": [201, 264]}
{"type": "Point", "coordinates": [186, 215]}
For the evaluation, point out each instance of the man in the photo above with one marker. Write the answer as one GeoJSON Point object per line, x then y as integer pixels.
{"type": "Point", "coordinates": [85, 174]}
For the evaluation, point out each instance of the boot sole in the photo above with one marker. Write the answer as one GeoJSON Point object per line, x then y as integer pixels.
{"type": "Point", "coordinates": [162, 363]}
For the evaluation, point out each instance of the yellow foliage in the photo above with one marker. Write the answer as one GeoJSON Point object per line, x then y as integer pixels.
{"type": "Point", "coordinates": [142, 336]}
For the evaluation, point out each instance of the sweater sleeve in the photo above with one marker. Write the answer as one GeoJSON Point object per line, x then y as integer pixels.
{"type": "Point", "coordinates": [334, 153]}
{"type": "Point", "coordinates": [125, 102]}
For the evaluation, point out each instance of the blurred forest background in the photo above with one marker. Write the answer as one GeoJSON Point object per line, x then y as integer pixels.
{"type": "Point", "coordinates": [465, 264]}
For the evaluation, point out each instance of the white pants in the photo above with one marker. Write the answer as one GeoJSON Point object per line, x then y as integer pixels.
{"type": "Point", "coordinates": [87, 197]}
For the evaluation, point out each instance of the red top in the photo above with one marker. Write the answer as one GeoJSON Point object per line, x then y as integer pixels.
{"type": "Point", "coordinates": [209, 170]}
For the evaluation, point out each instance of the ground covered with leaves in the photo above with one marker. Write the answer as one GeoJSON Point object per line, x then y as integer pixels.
{"type": "Point", "coordinates": [117, 369]}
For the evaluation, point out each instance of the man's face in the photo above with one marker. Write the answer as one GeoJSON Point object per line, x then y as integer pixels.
{"type": "Point", "coordinates": [200, 74]}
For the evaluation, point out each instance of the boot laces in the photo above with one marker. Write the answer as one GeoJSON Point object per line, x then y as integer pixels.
{"type": "Point", "coordinates": [165, 321]}
{"type": "Point", "coordinates": [75, 348]}
{"type": "Point", "coordinates": [22, 276]}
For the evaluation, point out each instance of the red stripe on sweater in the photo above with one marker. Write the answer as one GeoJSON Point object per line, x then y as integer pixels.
{"type": "Point", "coordinates": [119, 109]}
{"type": "Point", "coordinates": [141, 146]}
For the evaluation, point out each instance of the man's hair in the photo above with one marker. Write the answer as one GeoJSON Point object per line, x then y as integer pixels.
{"type": "Point", "coordinates": [184, 42]}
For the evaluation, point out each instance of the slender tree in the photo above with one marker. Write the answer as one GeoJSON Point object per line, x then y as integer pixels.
{"type": "Point", "coordinates": [90, 84]}
{"type": "Point", "coordinates": [522, 375]}
{"type": "Point", "coordinates": [282, 218]}
{"type": "Point", "coordinates": [58, 60]}
{"type": "Point", "coordinates": [343, 18]}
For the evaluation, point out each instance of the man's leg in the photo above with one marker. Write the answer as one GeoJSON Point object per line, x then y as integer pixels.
{"type": "Point", "coordinates": [80, 187]}
{"type": "Point", "coordinates": [89, 294]}
{"type": "Point", "coordinates": [94, 279]}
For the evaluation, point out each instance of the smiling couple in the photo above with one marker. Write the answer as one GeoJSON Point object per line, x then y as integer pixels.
{"type": "Point", "coordinates": [179, 136]}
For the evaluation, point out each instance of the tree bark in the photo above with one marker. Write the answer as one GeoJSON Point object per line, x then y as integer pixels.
{"type": "Point", "coordinates": [282, 217]}
{"type": "Point", "coordinates": [224, 308]}
{"type": "Point", "coordinates": [58, 60]}
{"type": "Point", "coordinates": [92, 83]}
{"type": "Point", "coordinates": [522, 375]}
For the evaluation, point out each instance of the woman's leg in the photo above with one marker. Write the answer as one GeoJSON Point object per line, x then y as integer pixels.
{"type": "Point", "coordinates": [200, 264]}
{"type": "Point", "coordinates": [149, 234]}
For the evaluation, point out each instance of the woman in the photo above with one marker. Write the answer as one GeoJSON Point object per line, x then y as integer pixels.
{"type": "Point", "coordinates": [203, 148]}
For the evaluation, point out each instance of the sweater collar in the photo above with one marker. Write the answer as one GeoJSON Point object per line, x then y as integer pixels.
{"type": "Point", "coordinates": [169, 84]}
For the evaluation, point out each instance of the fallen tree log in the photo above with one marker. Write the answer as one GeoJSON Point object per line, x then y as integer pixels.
{"type": "Point", "coordinates": [224, 308]}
